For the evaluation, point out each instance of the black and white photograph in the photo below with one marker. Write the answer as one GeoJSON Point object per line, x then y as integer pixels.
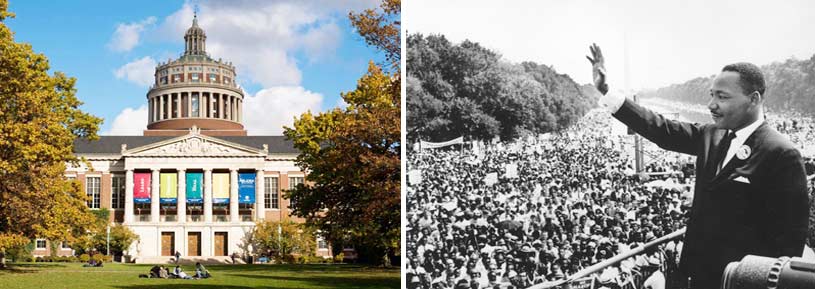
{"type": "Point", "coordinates": [609, 144]}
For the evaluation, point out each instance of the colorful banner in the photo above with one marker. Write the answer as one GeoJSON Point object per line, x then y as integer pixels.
{"type": "Point", "coordinates": [141, 188]}
{"type": "Point", "coordinates": [246, 188]}
{"type": "Point", "coordinates": [220, 188]}
{"type": "Point", "coordinates": [195, 187]}
{"type": "Point", "coordinates": [168, 190]}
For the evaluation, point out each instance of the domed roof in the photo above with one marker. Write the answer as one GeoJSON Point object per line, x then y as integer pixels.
{"type": "Point", "coordinates": [194, 29]}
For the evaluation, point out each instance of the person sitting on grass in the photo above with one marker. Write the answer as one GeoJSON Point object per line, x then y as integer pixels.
{"type": "Point", "coordinates": [155, 272]}
{"type": "Point", "coordinates": [163, 272]}
{"type": "Point", "coordinates": [200, 271]}
{"type": "Point", "coordinates": [181, 274]}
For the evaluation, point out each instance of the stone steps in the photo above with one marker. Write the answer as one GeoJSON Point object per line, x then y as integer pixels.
{"type": "Point", "coordinates": [189, 260]}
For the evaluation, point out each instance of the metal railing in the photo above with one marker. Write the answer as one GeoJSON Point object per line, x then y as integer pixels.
{"type": "Point", "coordinates": [610, 262]}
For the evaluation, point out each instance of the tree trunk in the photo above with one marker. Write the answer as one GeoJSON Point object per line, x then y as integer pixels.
{"type": "Point", "coordinates": [2, 259]}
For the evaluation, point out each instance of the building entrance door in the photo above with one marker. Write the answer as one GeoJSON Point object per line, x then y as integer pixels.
{"type": "Point", "coordinates": [220, 244]}
{"type": "Point", "coordinates": [167, 243]}
{"type": "Point", "coordinates": [194, 244]}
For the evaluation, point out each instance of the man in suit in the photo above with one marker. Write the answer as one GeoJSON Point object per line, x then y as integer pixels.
{"type": "Point", "coordinates": [750, 195]}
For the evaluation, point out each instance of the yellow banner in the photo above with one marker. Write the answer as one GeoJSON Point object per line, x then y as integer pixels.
{"type": "Point", "coordinates": [168, 191]}
{"type": "Point", "coordinates": [220, 187]}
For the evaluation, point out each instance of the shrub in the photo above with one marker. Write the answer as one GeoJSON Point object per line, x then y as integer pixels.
{"type": "Point", "coordinates": [84, 258]}
{"type": "Point", "coordinates": [288, 259]}
{"type": "Point", "coordinates": [20, 253]}
{"type": "Point", "coordinates": [339, 257]}
{"type": "Point", "coordinates": [47, 259]}
{"type": "Point", "coordinates": [38, 259]}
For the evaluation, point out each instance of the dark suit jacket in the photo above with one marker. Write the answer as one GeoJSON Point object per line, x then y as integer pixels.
{"type": "Point", "coordinates": [730, 219]}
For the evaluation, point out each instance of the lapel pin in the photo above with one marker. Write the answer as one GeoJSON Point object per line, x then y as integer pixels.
{"type": "Point", "coordinates": [743, 153]}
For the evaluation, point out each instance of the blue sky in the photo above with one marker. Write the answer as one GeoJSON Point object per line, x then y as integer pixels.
{"type": "Point", "coordinates": [291, 56]}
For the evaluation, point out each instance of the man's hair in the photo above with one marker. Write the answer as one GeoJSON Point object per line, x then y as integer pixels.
{"type": "Point", "coordinates": [750, 77]}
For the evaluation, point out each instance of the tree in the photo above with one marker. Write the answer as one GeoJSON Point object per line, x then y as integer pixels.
{"type": "Point", "coordinates": [280, 239]}
{"type": "Point", "coordinates": [352, 155]}
{"type": "Point", "coordinates": [39, 120]}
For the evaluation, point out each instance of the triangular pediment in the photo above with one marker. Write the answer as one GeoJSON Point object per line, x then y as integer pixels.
{"type": "Point", "coordinates": [193, 145]}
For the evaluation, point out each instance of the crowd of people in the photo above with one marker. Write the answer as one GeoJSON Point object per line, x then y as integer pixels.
{"type": "Point", "coordinates": [511, 215]}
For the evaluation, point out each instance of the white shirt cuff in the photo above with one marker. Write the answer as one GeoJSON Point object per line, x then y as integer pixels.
{"type": "Point", "coordinates": [611, 102]}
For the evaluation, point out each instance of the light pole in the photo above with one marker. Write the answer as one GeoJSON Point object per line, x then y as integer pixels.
{"type": "Point", "coordinates": [108, 241]}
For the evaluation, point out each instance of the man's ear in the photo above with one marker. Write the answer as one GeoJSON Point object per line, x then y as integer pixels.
{"type": "Point", "coordinates": [756, 97]}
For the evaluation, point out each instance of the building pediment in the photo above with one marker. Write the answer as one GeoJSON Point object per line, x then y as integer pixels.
{"type": "Point", "coordinates": [195, 145]}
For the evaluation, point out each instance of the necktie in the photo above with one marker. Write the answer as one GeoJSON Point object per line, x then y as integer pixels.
{"type": "Point", "coordinates": [724, 145]}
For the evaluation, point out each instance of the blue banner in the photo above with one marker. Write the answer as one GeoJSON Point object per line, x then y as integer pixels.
{"type": "Point", "coordinates": [195, 187]}
{"type": "Point", "coordinates": [246, 188]}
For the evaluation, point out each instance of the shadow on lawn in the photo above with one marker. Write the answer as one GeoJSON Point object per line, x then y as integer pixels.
{"type": "Point", "coordinates": [330, 281]}
{"type": "Point", "coordinates": [22, 268]}
{"type": "Point", "coordinates": [183, 286]}
{"type": "Point", "coordinates": [327, 268]}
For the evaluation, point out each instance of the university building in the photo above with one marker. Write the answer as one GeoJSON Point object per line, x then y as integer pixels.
{"type": "Point", "coordinates": [194, 182]}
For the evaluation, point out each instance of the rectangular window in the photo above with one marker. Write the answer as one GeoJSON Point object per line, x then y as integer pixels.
{"type": "Point", "coordinates": [226, 80]}
{"type": "Point", "coordinates": [195, 105]}
{"type": "Point", "coordinates": [117, 189]}
{"type": "Point", "coordinates": [40, 243]}
{"type": "Point", "coordinates": [293, 182]}
{"type": "Point", "coordinates": [321, 244]}
{"type": "Point", "coordinates": [176, 78]}
{"type": "Point", "coordinates": [212, 77]}
{"type": "Point", "coordinates": [163, 80]}
{"type": "Point", "coordinates": [270, 194]}
{"type": "Point", "coordinates": [65, 245]}
{"type": "Point", "coordinates": [195, 77]}
{"type": "Point", "coordinates": [92, 190]}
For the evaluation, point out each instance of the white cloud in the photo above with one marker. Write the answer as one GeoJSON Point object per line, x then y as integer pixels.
{"type": "Point", "coordinates": [129, 122]}
{"type": "Point", "coordinates": [127, 35]}
{"type": "Point", "coordinates": [270, 109]}
{"type": "Point", "coordinates": [140, 71]}
{"type": "Point", "coordinates": [261, 38]}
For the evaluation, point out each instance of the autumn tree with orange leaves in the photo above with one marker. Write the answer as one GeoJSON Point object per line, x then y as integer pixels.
{"type": "Point", "coordinates": [352, 155]}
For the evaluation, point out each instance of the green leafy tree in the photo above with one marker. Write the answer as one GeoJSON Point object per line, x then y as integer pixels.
{"type": "Point", "coordinates": [352, 154]}
{"type": "Point", "coordinates": [39, 120]}
{"type": "Point", "coordinates": [279, 239]}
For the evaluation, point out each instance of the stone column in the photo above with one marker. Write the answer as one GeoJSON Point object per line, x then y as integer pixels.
{"type": "Point", "coordinates": [154, 197]}
{"type": "Point", "coordinates": [160, 107]}
{"type": "Point", "coordinates": [182, 196]}
{"type": "Point", "coordinates": [189, 104]}
{"type": "Point", "coordinates": [233, 196]}
{"type": "Point", "coordinates": [129, 196]}
{"type": "Point", "coordinates": [260, 201]}
{"type": "Point", "coordinates": [208, 195]}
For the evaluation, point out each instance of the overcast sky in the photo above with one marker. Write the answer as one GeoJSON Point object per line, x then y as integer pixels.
{"type": "Point", "coordinates": [668, 41]}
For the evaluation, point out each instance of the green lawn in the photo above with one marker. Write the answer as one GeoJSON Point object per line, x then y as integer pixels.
{"type": "Point", "coordinates": [73, 275]}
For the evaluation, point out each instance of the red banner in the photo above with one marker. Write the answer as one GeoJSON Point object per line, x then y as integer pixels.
{"type": "Point", "coordinates": [141, 187]}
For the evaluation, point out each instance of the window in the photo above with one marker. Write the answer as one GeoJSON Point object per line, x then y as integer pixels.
{"type": "Point", "coordinates": [117, 189]}
{"type": "Point", "coordinates": [194, 77]}
{"type": "Point", "coordinates": [212, 77]}
{"type": "Point", "coordinates": [40, 243]}
{"type": "Point", "coordinates": [226, 80]}
{"type": "Point", "coordinates": [321, 243]}
{"type": "Point", "coordinates": [293, 182]}
{"type": "Point", "coordinates": [176, 78]}
{"type": "Point", "coordinates": [194, 105]}
{"type": "Point", "coordinates": [65, 245]}
{"type": "Point", "coordinates": [163, 80]}
{"type": "Point", "coordinates": [270, 193]}
{"type": "Point", "coordinates": [92, 190]}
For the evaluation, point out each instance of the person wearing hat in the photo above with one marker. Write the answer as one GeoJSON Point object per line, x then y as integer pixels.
{"type": "Point", "coordinates": [750, 195]}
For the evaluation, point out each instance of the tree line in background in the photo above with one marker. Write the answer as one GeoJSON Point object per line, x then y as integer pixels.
{"type": "Point", "coordinates": [466, 89]}
{"type": "Point", "coordinates": [790, 87]}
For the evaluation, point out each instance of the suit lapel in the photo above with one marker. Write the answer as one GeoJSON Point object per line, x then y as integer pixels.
{"type": "Point", "coordinates": [736, 162]}
{"type": "Point", "coordinates": [713, 157]}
